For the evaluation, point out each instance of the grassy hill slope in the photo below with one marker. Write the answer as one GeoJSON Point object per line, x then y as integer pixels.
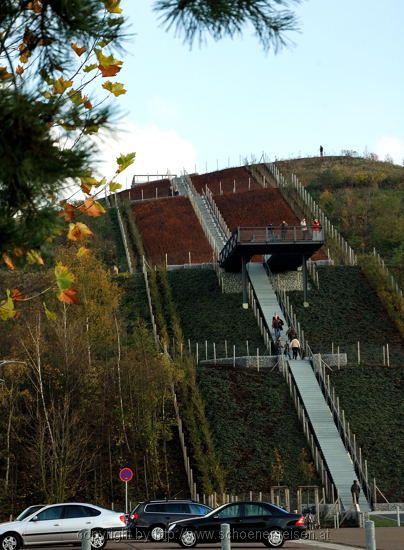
{"type": "Point", "coordinates": [364, 198]}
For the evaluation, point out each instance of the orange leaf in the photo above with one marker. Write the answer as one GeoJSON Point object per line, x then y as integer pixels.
{"type": "Point", "coordinates": [68, 296]}
{"type": "Point", "coordinates": [17, 295]}
{"type": "Point", "coordinates": [68, 212]}
{"type": "Point", "coordinates": [4, 74]}
{"type": "Point", "coordinates": [79, 51]}
{"type": "Point", "coordinates": [86, 188]}
{"type": "Point", "coordinates": [8, 261]}
{"type": "Point", "coordinates": [78, 231]}
{"type": "Point", "coordinates": [35, 6]}
{"type": "Point", "coordinates": [92, 208]}
{"type": "Point", "coordinates": [19, 70]}
{"type": "Point", "coordinates": [18, 252]}
{"type": "Point", "coordinates": [111, 70]}
{"type": "Point", "coordinates": [87, 104]}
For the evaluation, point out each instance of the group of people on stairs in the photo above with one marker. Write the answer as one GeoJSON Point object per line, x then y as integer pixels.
{"type": "Point", "coordinates": [291, 344]}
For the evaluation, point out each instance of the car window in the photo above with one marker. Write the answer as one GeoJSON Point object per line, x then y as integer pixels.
{"type": "Point", "coordinates": [156, 508]}
{"type": "Point", "coordinates": [92, 512]}
{"type": "Point", "coordinates": [231, 511]}
{"type": "Point", "coordinates": [199, 509]}
{"type": "Point", "coordinates": [256, 510]}
{"type": "Point", "coordinates": [29, 511]}
{"type": "Point", "coordinates": [50, 513]}
{"type": "Point", "coordinates": [177, 508]}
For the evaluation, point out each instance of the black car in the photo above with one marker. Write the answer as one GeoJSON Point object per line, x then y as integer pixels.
{"type": "Point", "coordinates": [249, 522]}
{"type": "Point", "coordinates": [150, 519]}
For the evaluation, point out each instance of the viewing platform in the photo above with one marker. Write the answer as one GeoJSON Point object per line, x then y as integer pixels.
{"type": "Point", "coordinates": [285, 245]}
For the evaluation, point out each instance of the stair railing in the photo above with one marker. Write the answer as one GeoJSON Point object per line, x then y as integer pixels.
{"type": "Point", "coordinates": [216, 212]}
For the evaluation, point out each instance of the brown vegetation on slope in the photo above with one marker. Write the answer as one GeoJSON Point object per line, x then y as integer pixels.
{"type": "Point", "coordinates": [169, 226]}
{"type": "Point", "coordinates": [238, 179]}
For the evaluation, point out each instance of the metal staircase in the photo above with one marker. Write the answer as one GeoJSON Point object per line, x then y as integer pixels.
{"type": "Point", "coordinates": [328, 439]}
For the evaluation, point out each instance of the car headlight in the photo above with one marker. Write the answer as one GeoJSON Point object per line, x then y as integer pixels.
{"type": "Point", "coordinates": [171, 527]}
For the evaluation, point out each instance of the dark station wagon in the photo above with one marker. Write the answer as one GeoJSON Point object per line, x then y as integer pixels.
{"type": "Point", "coordinates": [150, 519]}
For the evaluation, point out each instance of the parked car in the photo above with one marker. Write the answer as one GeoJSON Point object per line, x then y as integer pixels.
{"type": "Point", "coordinates": [29, 511]}
{"type": "Point", "coordinates": [249, 522]}
{"type": "Point", "coordinates": [150, 519]}
{"type": "Point", "coordinates": [61, 524]}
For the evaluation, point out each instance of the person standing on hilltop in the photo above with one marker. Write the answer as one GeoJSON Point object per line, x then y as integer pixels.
{"type": "Point", "coordinates": [321, 151]}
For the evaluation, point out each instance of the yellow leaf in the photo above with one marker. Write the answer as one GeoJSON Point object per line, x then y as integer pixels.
{"type": "Point", "coordinates": [106, 60]}
{"type": "Point", "coordinates": [79, 51]}
{"type": "Point", "coordinates": [34, 257]}
{"type": "Point", "coordinates": [89, 68]}
{"type": "Point", "coordinates": [83, 251]}
{"type": "Point", "coordinates": [64, 277]}
{"type": "Point", "coordinates": [60, 85]}
{"type": "Point", "coordinates": [51, 315]}
{"type": "Point", "coordinates": [113, 6]}
{"type": "Point", "coordinates": [114, 186]}
{"type": "Point", "coordinates": [115, 88]}
{"type": "Point", "coordinates": [123, 161]}
{"type": "Point", "coordinates": [7, 310]}
{"type": "Point", "coordinates": [75, 97]}
{"type": "Point", "coordinates": [78, 231]}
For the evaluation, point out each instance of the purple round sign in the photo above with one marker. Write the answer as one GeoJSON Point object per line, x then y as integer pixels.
{"type": "Point", "coordinates": [125, 474]}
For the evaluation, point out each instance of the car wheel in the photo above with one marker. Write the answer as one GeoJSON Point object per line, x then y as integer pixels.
{"type": "Point", "coordinates": [274, 538]}
{"type": "Point", "coordinates": [188, 538]}
{"type": "Point", "coordinates": [10, 541]}
{"type": "Point", "coordinates": [98, 539]}
{"type": "Point", "coordinates": [156, 533]}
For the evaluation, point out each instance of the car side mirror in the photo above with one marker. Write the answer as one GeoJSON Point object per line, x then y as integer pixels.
{"type": "Point", "coordinates": [35, 518]}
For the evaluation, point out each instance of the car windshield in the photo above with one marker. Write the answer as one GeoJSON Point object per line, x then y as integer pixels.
{"type": "Point", "coordinates": [29, 511]}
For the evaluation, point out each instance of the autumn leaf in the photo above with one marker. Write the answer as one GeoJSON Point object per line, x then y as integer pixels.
{"type": "Point", "coordinates": [111, 70]}
{"type": "Point", "coordinates": [68, 296]}
{"type": "Point", "coordinates": [113, 6]}
{"type": "Point", "coordinates": [60, 85]}
{"type": "Point", "coordinates": [78, 231]}
{"type": "Point", "coordinates": [114, 186]}
{"type": "Point", "coordinates": [17, 295]}
{"type": "Point", "coordinates": [51, 315]}
{"type": "Point", "coordinates": [75, 97]}
{"type": "Point", "coordinates": [19, 70]}
{"type": "Point", "coordinates": [89, 68]}
{"type": "Point", "coordinates": [83, 251]}
{"type": "Point", "coordinates": [106, 60]}
{"type": "Point", "coordinates": [18, 252]}
{"type": "Point", "coordinates": [35, 6]}
{"type": "Point", "coordinates": [4, 74]}
{"type": "Point", "coordinates": [8, 261]}
{"type": "Point", "coordinates": [7, 310]}
{"type": "Point", "coordinates": [34, 257]}
{"type": "Point", "coordinates": [115, 88]}
{"type": "Point", "coordinates": [104, 42]}
{"type": "Point", "coordinates": [25, 55]}
{"type": "Point", "coordinates": [92, 208]}
{"type": "Point", "coordinates": [64, 277]}
{"type": "Point", "coordinates": [79, 51]}
{"type": "Point", "coordinates": [68, 212]}
{"type": "Point", "coordinates": [87, 103]}
{"type": "Point", "coordinates": [123, 161]}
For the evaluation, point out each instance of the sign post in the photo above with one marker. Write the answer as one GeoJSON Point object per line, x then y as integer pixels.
{"type": "Point", "coordinates": [125, 475]}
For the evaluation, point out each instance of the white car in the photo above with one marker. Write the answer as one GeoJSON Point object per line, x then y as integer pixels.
{"type": "Point", "coordinates": [62, 524]}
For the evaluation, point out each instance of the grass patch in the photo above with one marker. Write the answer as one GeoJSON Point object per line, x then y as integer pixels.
{"type": "Point", "coordinates": [374, 406]}
{"type": "Point", "coordinates": [346, 309]}
{"type": "Point", "coordinates": [208, 314]}
{"type": "Point", "coordinates": [251, 415]}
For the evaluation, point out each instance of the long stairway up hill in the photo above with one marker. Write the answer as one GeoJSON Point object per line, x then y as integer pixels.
{"type": "Point", "coordinates": [335, 455]}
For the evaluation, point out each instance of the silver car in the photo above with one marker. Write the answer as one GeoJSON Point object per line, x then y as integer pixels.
{"type": "Point", "coordinates": [62, 524]}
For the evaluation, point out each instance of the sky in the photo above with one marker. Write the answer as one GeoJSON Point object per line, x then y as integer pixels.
{"type": "Point", "coordinates": [340, 85]}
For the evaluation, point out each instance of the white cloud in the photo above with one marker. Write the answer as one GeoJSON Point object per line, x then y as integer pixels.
{"type": "Point", "coordinates": [391, 146]}
{"type": "Point", "coordinates": [158, 151]}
